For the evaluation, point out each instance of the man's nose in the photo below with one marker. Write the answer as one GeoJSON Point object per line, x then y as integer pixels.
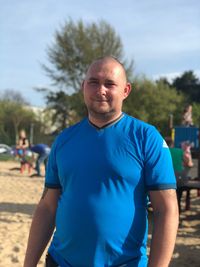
{"type": "Point", "coordinates": [101, 89]}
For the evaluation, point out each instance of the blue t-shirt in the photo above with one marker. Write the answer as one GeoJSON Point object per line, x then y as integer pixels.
{"type": "Point", "coordinates": [105, 175]}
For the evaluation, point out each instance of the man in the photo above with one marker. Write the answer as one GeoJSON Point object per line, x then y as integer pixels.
{"type": "Point", "coordinates": [43, 151]}
{"type": "Point", "coordinates": [99, 174]}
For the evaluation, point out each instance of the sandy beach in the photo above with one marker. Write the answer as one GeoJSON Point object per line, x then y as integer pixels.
{"type": "Point", "coordinates": [18, 199]}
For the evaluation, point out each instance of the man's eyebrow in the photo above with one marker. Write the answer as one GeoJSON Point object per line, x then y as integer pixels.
{"type": "Point", "coordinates": [96, 79]}
{"type": "Point", "coordinates": [109, 81]}
{"type": "Point", "coordinates": [93, 79]}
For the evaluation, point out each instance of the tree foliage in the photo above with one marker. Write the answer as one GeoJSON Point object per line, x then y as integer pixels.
{"type": "Point", "coordinates": [11, 95]}
{"type": "Point", "coordinates": [65, 109]}
{"type": "Point", "coordinates": [15, 115]}
{"type": "Point", "coordinates": [154, 102]}
{"type": "Point", "coordinates": [196, 114]}
{"type": "Point", "coordinates": [189, 84]}
{"type": "Point", "coordinates": [59, 102]}
{"type": "Point", "coordinates": [76, 46]}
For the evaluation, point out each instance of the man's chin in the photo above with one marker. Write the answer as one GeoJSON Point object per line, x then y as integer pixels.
{"type": "Point", "coordinates": [101, 113]}
{"type": "Point", "coordinates": [100, 109]}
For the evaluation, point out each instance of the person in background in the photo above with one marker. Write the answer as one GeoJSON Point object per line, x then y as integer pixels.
{"type": "Point", "coordinates": [177, 155]}
{"type": "Point", "coordinates": [187, 116]}
{"type": "Point", "coordinates": [22, 144]}
{"type": "Point", "coordinates": [181, 158]}
{"type": "Point", "coordinates": [182, 163]}
{"type": "Point", "coordinates": [187, 156]}
{"type": "Point", "coordinates": [43, 152]}
{"type": "Point", "coordinates": [99, 174]}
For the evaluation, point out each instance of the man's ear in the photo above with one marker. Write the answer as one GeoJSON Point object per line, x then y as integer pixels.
{"type": "Point", "coordinates": [127, 90]}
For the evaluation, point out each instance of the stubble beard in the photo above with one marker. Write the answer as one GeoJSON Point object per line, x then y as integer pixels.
{"type": "Point", "coordinates": [102, 115]}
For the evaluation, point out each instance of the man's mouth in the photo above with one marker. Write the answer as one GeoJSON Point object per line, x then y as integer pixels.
{"type": "Point", "coordinates": [101, 100]}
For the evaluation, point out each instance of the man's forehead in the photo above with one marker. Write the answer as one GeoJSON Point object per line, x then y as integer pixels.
{"type": "Point", "coordinates": [106, 62]}
{"type": "Point", "coordinates": [104, 69]}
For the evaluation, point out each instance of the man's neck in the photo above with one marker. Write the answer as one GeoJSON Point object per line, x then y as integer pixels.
{"type": "Point", "coordinates": [103, 120]}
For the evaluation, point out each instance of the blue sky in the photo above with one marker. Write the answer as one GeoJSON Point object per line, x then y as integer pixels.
{"type": "Point", "coordinates": [163, 37]}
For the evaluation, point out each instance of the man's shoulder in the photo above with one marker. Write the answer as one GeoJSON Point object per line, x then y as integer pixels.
{"type": "Point", "coordinates": [68, 132]}
{"type": "Point", "coordinates": [137, 123]}
{"type": "Point", "coordinates": [72, 128]}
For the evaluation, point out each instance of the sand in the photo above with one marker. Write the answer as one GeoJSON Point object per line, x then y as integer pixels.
{"type": "Point", "coordinates": [20, 194]}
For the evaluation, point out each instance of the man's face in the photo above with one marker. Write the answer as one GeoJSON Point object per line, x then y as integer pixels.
{"type": "Point", "coordinates": [105, 88]}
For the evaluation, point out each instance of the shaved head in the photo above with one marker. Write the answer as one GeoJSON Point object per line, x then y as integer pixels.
{"type": "Point", "coordinates": [105, 60]}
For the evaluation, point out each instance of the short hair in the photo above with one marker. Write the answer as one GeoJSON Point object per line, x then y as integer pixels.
{"type": "Point", "coordinates": [110, 57]}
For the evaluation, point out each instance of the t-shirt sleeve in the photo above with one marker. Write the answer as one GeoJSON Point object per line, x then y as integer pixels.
{"type": "Point", "coordinates": [51, 177]}
{"type": "Point", "coordinates": [159, 172]}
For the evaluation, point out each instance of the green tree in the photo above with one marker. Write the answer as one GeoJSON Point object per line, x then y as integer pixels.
{"type": "Point", "coordinates": [154, 102]}
{"type": "Point", "coordinates": [61, 106]}
{"type": "Point", "coordinates": [65, 109]}
{"type": "Point", "coordinates": [14, 117]}
{"type": "Point", "coordinates": [3, 135]}
{"type": "Point", "coordinates": [12, 114]}
{"type": "Point", "coordinates": [189, 84]}
{"type": "Point", "coordinates": [12, 95]}
{"type": "Point", "coordinates": [76, 46]}
{"type": "Point", "coordinates": [15, 114]}
{"type": "Point", "coordinates": [78, 105]}
{"type": "Point", "coordinates": [196, 114]}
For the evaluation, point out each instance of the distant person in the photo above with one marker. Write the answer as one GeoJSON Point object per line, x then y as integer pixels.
{"type": "Point", "coordinates": [181, 158]}
{"type": "Point", "coordinates": [177, 158]}
{"type": "Point", "coordinates": [99, 175]}
{"type": "Point", "coordinates": [180, 170]}
{"type": "Point", "coordinates": [43, 152]}
{"type": "Point", "coordinates": [187, 116]}
{"type": "Point", "coordinates": [187, 156]}
{"type": "Point", "coordinates": [22, 145]}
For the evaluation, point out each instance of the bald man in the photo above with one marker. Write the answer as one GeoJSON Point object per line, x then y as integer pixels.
{"type": "Point", "coordinates": [99, 176]}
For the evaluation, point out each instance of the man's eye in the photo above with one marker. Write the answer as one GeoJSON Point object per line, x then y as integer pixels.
{"type": "Point", "coordinates": [109, 85]}
{"type": "Point", "coordinates": [93, 82]}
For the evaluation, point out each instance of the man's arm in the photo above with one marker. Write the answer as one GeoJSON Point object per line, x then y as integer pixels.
{"type": "Point", "coordinates": [165, 225]}
{"type": "Point", "coordinates": [42, 226]}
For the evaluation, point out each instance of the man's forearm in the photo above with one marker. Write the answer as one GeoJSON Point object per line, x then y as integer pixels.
{"type": "Point", "coordinates": [163, 238]}
{"type": "Point", "coordinates": [41, 230]}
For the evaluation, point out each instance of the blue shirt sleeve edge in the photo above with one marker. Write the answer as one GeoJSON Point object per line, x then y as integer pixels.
{"type": "Point", "coordinates": [52, 186]}
{"type": "Point", "coordinates": [161, 187]}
